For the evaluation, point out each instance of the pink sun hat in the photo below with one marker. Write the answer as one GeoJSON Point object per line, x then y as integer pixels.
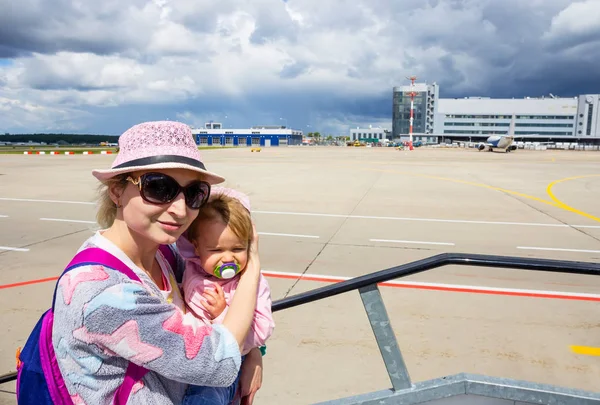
{"type": "Point", "coordinates": [157, 145]}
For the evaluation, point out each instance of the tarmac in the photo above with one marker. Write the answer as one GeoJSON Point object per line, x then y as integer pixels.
{"type": "Point", "coordinates": [329, 213]}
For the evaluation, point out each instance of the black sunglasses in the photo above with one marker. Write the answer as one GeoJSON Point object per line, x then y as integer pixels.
{"type": "Point", "coordinates": [158, 188]}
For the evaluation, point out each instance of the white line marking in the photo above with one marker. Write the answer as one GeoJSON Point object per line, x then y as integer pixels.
{"type": "Point", "coordinates": [68, 220]}
{"type": "Point", "coordinates": [13, 249]}
{"type": "Point", "coordinates": [260, 233]}
{"type": "Point", "coordinates": [412, 242]}
{"type": "Point", "coordinates": [325, 278]}
{"type": "Point", "coordinates": [453, 221]}
{"type": "Point", "coordinates": [46, 201]}
{"type": "Point", "coordinates": [288, 234]}
{"type": "Point", "coordinates": [557, 249]}
{"type": "Point", "coordinates": [3, 216]}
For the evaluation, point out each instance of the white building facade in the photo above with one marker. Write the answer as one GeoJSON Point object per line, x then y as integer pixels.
{"type": "Point", "coordinates": [483, 117]}
{"type": "Point", "coordinates": [588, 115]}
{"type": "Point", "coordinates": [357, 134]}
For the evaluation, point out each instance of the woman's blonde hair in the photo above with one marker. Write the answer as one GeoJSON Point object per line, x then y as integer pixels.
{"type": "Point", "coordinates": [229, 210]}
{"type": "Point", "coordinates": [107, 209]}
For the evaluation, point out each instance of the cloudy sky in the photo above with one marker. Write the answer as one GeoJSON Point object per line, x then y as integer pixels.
{"type": "Point", "coordinates": [101, 66]}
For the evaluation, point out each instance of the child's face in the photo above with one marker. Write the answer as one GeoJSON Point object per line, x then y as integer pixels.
{"type": "Point", "coordinates": [217, 244]}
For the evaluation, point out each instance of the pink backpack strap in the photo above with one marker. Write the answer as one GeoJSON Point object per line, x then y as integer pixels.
{"type": "Point", "coordinates": [57, 388]}
{"type": "Point", "coordinates": [94, 256]}
{"type": "Point", "coordinates": [100, 256]}
{"type": "Point", "coordinates": [133, 374]}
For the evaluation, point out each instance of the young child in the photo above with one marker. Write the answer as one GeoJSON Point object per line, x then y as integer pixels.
{"type": "Point", "coordinates": [215, 249]}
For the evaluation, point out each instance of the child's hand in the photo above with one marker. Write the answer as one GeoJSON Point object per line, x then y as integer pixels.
{"type": "Point", "coordinates": [215, 301]}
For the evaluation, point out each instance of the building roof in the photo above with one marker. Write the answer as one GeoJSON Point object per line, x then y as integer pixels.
{"type": "Point", "coordinates": [499, 106]}
{"type": "Point", "coordinates": [420, 87]}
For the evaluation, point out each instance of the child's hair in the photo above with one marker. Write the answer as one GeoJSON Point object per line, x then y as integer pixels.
{"type": "Point", "coordinates": [229, 210]}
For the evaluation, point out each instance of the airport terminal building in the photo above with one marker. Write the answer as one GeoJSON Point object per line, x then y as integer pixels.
{"type": "Point", "coordinates": [575, 119]}
{"type": "Point", "coordinates": [369, 134]}
{"type": "Point", "coordinates": [425, 104]}
{"type": "Point", "coordinates": [214, 134]}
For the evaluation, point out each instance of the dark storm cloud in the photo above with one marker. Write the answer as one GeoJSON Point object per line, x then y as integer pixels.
{"type": "Point", "coordinates": [60, 25]}
{"type": "Point", "coordinates": [509, 48]}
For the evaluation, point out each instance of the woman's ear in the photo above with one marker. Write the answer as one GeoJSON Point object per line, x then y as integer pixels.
{"type": "Point", "coordinates": [116, 191]}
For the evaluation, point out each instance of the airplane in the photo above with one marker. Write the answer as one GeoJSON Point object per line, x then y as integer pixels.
{"type": "Point", "coordinates": [503, 142]}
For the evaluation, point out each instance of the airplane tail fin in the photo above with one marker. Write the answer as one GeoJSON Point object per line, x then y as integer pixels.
{"type": "Point", "coordinates": [511, 128]}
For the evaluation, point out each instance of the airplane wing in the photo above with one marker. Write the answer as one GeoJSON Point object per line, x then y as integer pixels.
{"type": "Point", "coordinates": [529, 136]}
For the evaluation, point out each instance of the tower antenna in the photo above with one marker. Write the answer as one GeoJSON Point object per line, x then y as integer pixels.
{"type": "Point", "coordinates": [412, 95]}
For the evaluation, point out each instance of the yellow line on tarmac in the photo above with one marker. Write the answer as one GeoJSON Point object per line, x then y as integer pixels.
{"type": "Point", "coordinates": [554, 203]}
{"type": "Point", "coordinates": [586, 350]}
{"type": "Point", "coordinates": [564, 206]}
{"type": "Point", "coordinates": [470, 183]}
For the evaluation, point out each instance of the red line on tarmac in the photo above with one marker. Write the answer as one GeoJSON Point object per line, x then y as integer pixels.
{"type": "Point", "coordinates": [433, 287]}
{"type": "Point", "coordinates": [23, 283]}
{"type": "Point", "coordinates": [396, 284]}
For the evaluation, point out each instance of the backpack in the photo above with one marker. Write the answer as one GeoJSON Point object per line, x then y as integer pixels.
{"type": "Point", "coordinates": [39, 380]}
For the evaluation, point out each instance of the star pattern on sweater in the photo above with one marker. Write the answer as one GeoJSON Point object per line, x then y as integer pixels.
{"type": "Point", "coordinates": [82, 274]}
{"type": "Point", "coordinates": [192, 331]}
{"type": "Point", "coordinates": [137, 386]}
{"type": "Point", "coordinates": [121, 296]}
{"type": "Point", "coordinates": [78, 369]}
{"type": "Point", "coordinates": [77, 400]}
{"type": "Point", "coordinates": [123, 342]}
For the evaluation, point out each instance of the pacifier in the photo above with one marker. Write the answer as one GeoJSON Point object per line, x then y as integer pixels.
{"type": "Point", "coordinates": [227, 270]}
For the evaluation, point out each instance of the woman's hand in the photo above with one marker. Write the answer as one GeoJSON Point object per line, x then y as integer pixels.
{"type": "Point", "coordinates": [251, 376]}
{"type": "Point", "coordinates": [253, 259]}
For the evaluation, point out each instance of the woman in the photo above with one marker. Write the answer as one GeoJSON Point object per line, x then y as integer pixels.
{"type": "Point", "coordinates": [104, 320]}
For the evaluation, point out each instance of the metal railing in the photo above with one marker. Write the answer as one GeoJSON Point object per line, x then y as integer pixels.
{"type": "Point", "coordinates": [403, 391]}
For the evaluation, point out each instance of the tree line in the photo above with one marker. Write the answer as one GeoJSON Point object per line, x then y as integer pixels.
{"type": "Point", "coordinates": [59, 138]}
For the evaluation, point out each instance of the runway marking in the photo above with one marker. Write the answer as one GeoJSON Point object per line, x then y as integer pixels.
{"type": "Point", "coordinates": [46, 201]}
{"type": "Point", "coordinates": [455, 221]}
{"type": "Point", "coordinates": [470, 183]}
{"type": "Point", "coordinates": [554, 203]}
{"type": "Point", "coordinates": [568, 207]}
{"type": "Point", "coordinates": [3, 216]}
{"type": "Point", "coordinates": [68, 220]}
{"type": "Point", "coordinates": [12, 249]}
{"type": "Point", "coordinates": [412, 242]}
{"type": "Point", "coordinates": [586, 350]}
{"type": "Point", "coordinates": [401, 284]}
{"type": "Point", "coordinates": [288, 234]}
{"type": "Point", "coordinates": [557, 249]}
{"type": "Point", "coordinates": [30, 282]}
{"type": "Point", "coordinates": [260, 233]}
{"type": "Point", "coordinates": [445, 287]}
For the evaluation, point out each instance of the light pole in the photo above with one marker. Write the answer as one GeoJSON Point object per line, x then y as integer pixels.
{"type": "Point", "coordinates": [412, 108]}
